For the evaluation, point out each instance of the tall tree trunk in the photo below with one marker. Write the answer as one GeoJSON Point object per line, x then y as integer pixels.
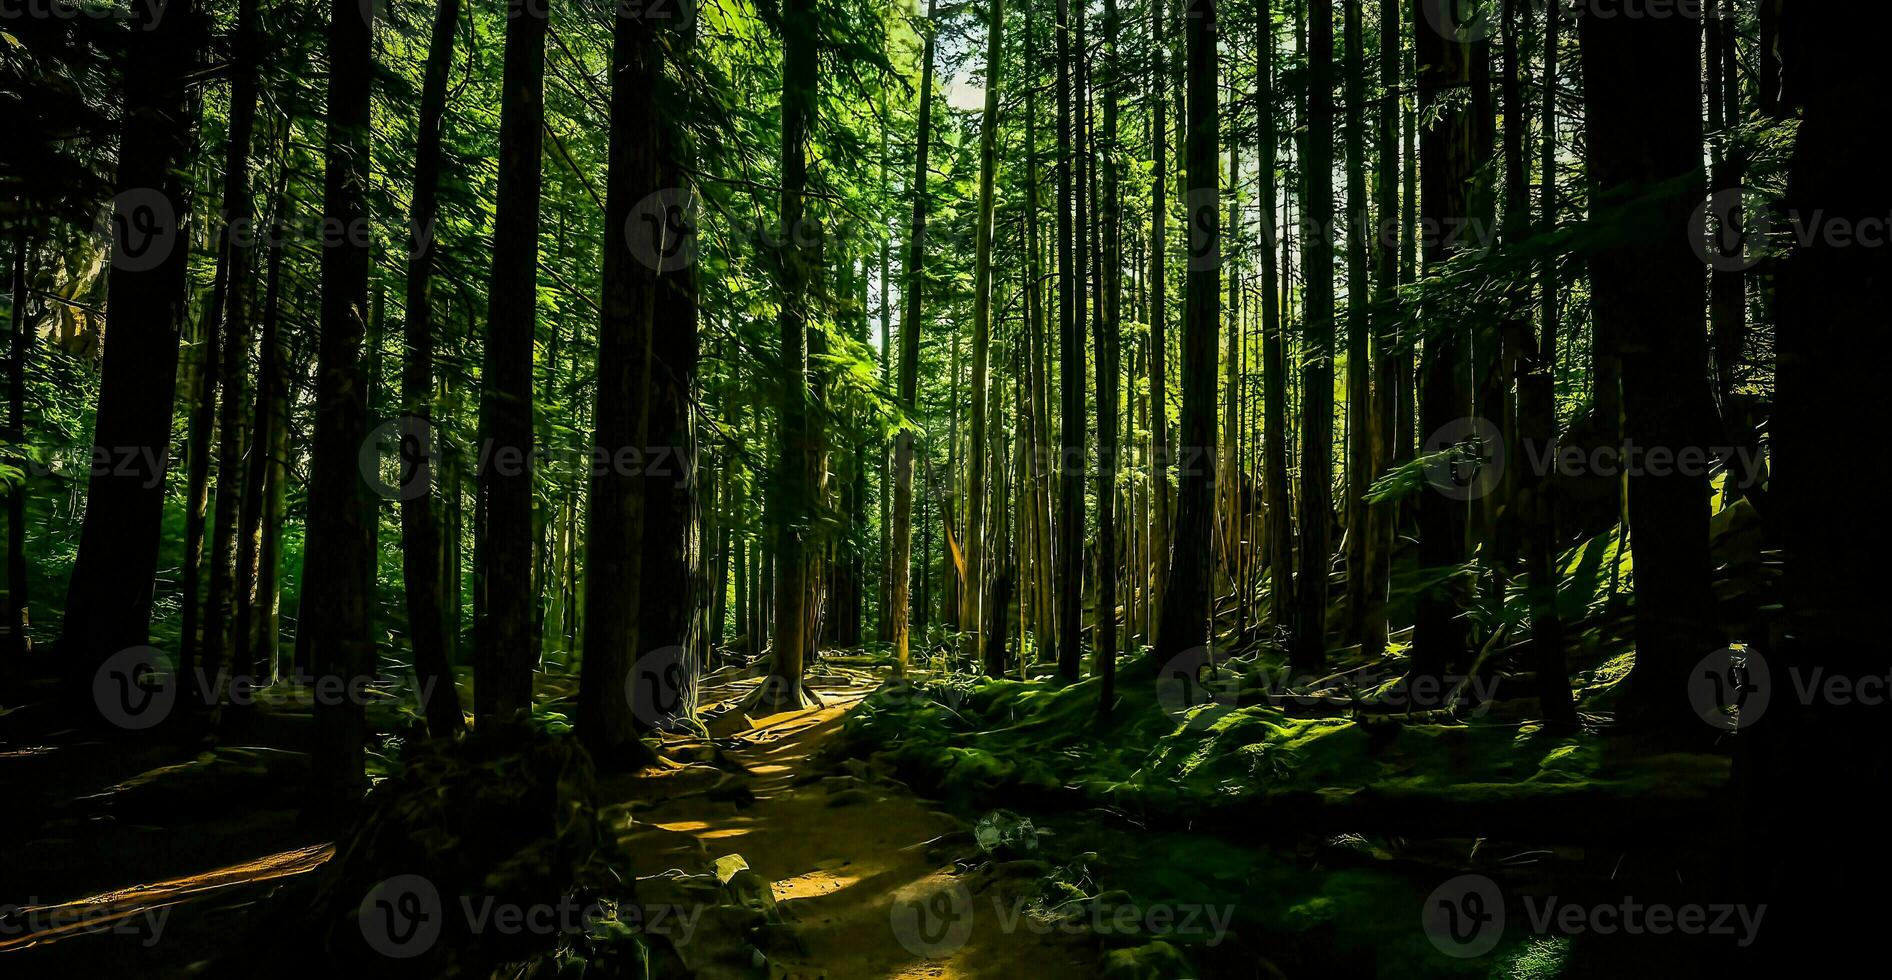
{"type": "Point", "coordinates": [1309, 652]}
{"type": "Point", "coordinates": [901, 595]}
{"type": "Point", "coordinates": [974, 614]}
{"type": "Point", "coordinates": [269, 473]}
{"type": "Point", "coordinates": [1642, 87]}
{"type": "Point", "coordinates": [427, 610]}
{"type": "Point", "coordinates": [504, 599]}
{"type": "Point", "coordinates": [884, 626]}
{"type": "Point", "coordinates": [17, 623]}
{"type": "Point", "coordinates": [1159, 307]}
{"type": "Point", "coordinates": [672, 594]}
{"type": "Point", "coordinates": [1831, 286]}
{"type": "Point", "coordinates": [1070, 549]}
{"type": "Point", "coordinates": [337, 564]}
{"type": "Point", "coordinates": [1274, 347]}
{"type": "Point", "coordinates": [221, 627]}
{"type": "Point", "coordinates": [1381, 518]}
{"type": "Point", "coordinates": [108, 601]}
{"type": "Point", "coordinates": [1537, 414]}
{"type": "Point", "coordinates": [1440, 641]}
{"type": "Point", "coordinates": [1108, 341]}
{"type": "Point", "coordinates": [1185, 625]}
{"type": "Point", "coordinates": [608, 698]}
{"type": "Point", "coordinates": [1361, 421]}
{"type": "Point", "coordinates": [794, 498]}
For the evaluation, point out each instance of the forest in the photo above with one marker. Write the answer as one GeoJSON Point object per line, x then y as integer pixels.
{"type": "Point", "coordinates": [793, 489]}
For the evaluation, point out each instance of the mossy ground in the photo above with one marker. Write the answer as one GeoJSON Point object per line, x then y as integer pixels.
{"type": "Point", "coordinates": [1326, 823]}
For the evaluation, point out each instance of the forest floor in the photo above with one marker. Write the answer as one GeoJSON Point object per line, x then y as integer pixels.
{"type": "Point", "coordinates": [146, 856]}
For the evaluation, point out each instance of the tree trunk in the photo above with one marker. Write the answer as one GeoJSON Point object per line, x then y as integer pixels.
{"type": "Point", "coordinates": [504, 599]}
{"type": "Point", "coordinates": [794, 498]}
{"type": "Point", "coordinates": [973, 616]}
{"type": "Point", "coordinates": [1440, 641]}
{"type": "Point", "coordinates": [1832, 285]}
{"type": "Point", "coordinates": [337, 564]}
{"type": "Point", "coordinates": [608, 698]}
{"type": "Point", "coordinates": [1108, 340]}
{"type": "Point", "coordinates": [1309, 652]}
{"type": "Point", "coordinates": [901, 593]}
{"type": "Point", "coordinates": [671, 640]}
{"type": "Point", "coordinates": [1185, 625]}
{"type": "Point", "coordinates": [1070, 549]}
{"type": "Point", "coordinates": [1158, 572]}
{"type": "Point", "coordinates": [108, 601]}
{"type": "Point", "coordinates": [1642, 87]}
{"type": "Point", "coordinates": [1362, 423]}
{"type": "Point", "coordinates": [17, 623]}
{"type": "Point", "coordinates": [1274, 348]}
{"type": "Point", "coordinates": [427, 611]}
{"type": "Point", "coordinates": [221, 627]}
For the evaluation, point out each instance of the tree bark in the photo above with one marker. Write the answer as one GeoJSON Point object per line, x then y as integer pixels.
{"type": "Point", "coordinates": [337, 565]}
{"type": "Point", "coordinates": [901, 593]}
{"type": "Point", "coordinates": [504, 597]}
{"type": "Point", "coordinates": [108, 601]}
{"type": "Point", "coordinates": [794, 496]}
{"type": "Point", "coordinates": [1309, 652]}
{"type": "Point", "coordinates": [427, 611]}
{"type": "Point", "coordinates": [1185, 625]}
{"type": "Point", "coordinates": [1642, 84]}
{"type": "Point", "coordinates": [973, 616]}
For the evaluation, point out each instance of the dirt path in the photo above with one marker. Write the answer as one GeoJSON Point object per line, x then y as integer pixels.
{"type": "Point", "coordinates": [860, 873]}
{"type": "Point", "coordinates": [859, 867]}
